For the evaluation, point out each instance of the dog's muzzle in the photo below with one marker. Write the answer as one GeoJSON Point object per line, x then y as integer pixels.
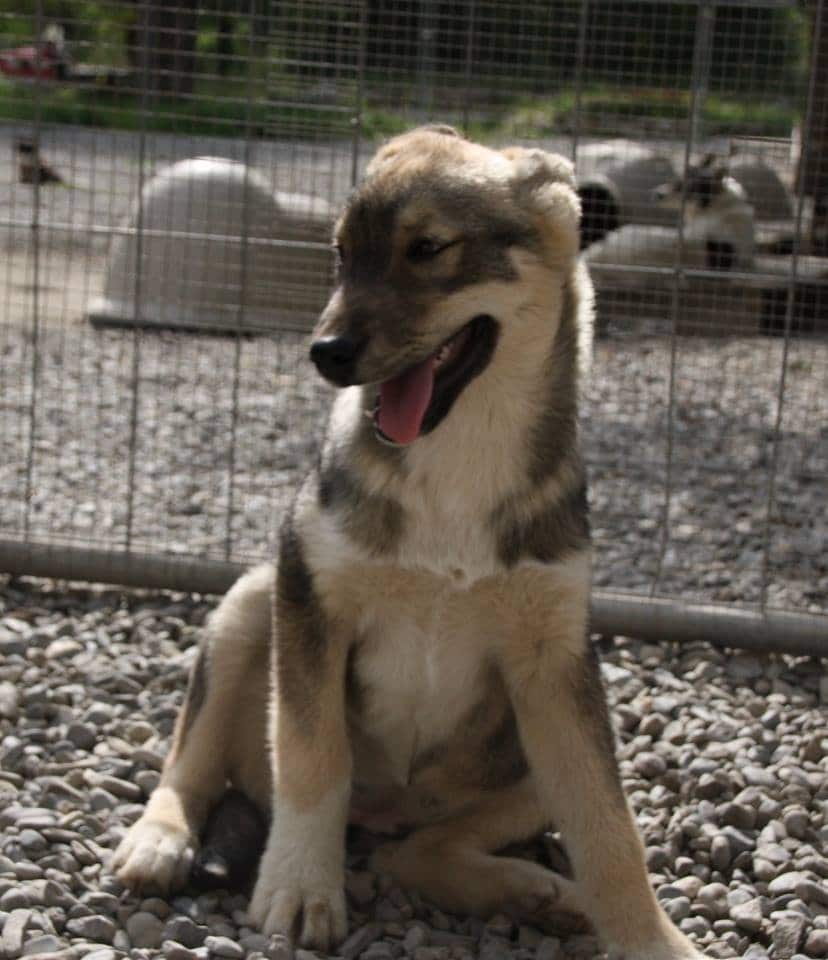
{"type": "Point", "coordinates": [336, 358]}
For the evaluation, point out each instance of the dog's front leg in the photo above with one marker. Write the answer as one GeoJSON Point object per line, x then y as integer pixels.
{"type": "Point", "coordinates": [555, 685]}
{"type": "Point", "coordinates": [301, 877]}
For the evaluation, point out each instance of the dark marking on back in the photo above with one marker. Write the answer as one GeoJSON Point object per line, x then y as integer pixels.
{"type": "Point", "coordinates": [590, 697]}
{"type": "Point", "coordinates": [373, 521]}
{"type": "Point", "coordinates": [301, 629]}
{"type": "Point", "coordinates": [547, 535]}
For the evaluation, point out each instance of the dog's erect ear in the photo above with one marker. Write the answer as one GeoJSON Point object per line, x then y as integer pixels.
{"type": "Point", "coordinates": [443, 128]}
{"type": "Point", "coordinates": [545, 182]}
{"type": "Point", "coordinates": [715, 165]}
{"type": "Point", "coordinates": [421, 140]}
{"type": "Point", "coordinates": [535, 168]}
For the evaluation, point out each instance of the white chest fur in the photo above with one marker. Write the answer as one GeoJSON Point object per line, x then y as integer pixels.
{"type": "Point", "coordinates": [418, 675]}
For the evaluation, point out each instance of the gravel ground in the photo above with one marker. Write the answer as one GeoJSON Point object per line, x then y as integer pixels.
{"type": "Point", "coordinates": [182, 443]}
{"type": "Point", "coordinates": [194, 444]}
{"type": "Point", "coordinates": [186, 444]}
{"type": "Point", "coordinates": [723, 756]}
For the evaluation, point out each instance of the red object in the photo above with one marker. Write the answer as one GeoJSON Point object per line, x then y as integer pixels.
{"type": "Point", "coordinates": [36, 61]}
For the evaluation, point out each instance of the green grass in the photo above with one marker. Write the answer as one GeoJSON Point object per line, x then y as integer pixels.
{"type": "Point", "coordinates": [233, 106]}
{"type": "Point", "coordinates": [611, 112]}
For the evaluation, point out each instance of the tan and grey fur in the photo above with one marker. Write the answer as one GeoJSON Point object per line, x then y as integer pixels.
{"type": "Point", "coordinates": [419, 656]}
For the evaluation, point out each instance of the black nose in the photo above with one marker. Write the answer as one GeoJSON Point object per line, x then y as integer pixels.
{"type": "Point", "coordinates": [335, 358]}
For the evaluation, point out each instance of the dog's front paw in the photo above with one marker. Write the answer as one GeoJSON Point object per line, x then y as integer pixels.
{"type": "Point", "coordinates": [154, 856]}
{"type": "Point", "coordinates": [284, 898]}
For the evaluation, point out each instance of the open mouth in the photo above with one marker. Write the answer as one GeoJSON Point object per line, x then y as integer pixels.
{"type": "Point", "coordinates": [414, 402]}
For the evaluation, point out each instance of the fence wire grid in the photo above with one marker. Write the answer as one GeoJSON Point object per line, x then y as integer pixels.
{"type": "Point", "coordinates": [155, 391]}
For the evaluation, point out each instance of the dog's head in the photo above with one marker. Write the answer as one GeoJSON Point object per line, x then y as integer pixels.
{"type": "Point", "coordinates": [433, 250]}
{"type": "Point", "coordinates": [702, 186]}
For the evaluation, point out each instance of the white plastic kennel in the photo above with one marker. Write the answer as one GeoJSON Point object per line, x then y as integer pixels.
{"type": "Point", "coordinates": [209, 245]}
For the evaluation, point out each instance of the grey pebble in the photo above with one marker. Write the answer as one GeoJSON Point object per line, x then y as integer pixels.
{"type": "Point", "coordinates": [104, 954]}
{"type": "Point", "coordinates": [147, 780]}
{"type": "Point", "coordinates": [144, 929]}
{"type": "Point", "coordinates": [816, 943]}
{"type": "Point", "coordinates": [755, 952]}
{"type": "Point", "coordinates": [14, 930]}
{"type": "Point", "coordinates": [149, 758]}
{"type": "Point", "coordinates": [677, 909]}
{"type": "Point", "coordinates": [47, 943]}
{"type": "Point", "coordinates": [83, 735]}
{"type": "Point", "coordinates": [254, 943]}
{"type": "Point", "coordinates": [650, 765]}
{"type": "Point", "coordinates": [379, 950]}
{"type": "Point", "coordinates": [747, 916]}
{"type": "Point", "coordinates": [62, 647]}
{"type": "Point", "coordinates": [416, 936]}
{"type": "Point", "coordinates": [359, 940]}
{"type": "Point", "coordinates": [156, 906]}
{"type": "Point", "coordinates": [185, 931]}
{"type": "Point", "coordinates": [176, 951]}
{"type": "Point", "coordinates": [492, 950]}
{"type": "Point", "coordinates": [695, 926]}
{"type": "Point", "coordinates": [796, 822]}
{"type": "Point", "coordinates": [812, 892]}
{"type": "Point", "coordinates": [223, 947]}
{"type": "Point", "coordinates": [32, 841]}
{"type": "Point", "coordinates": [739, 815]}
{"type": "Point", "coordinates": [122, 789]}
{"type": "Point", "coordinates": [95, 927]}
{"type": "Point", "coordinates": [788, 934]}
{"type": "Point", "coordinates": [15, 898]}
{"type": "Point", "coordinates": [24, 870]}
{"type": "Point", "coordinates": [11, 646]}
{"type": "Point", "coordinates": [740, 842]}
{"type": "Point", "coordinates": [720, 852]}
{"type": "Point", "coordinates": [714, 895]}
{"type": "Point", "coordinates": [9, 701]}
{"type": "Point", "coordinates": [448, 938]}
{"type": "Point", "coordinates": [549, 949]}
{"type": "Point", "coordinates": [100, 799]}
{"type": "Point", "coordinates": [786, 883]}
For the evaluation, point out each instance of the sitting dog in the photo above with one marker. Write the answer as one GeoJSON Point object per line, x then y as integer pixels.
{"type": "Point", "coordinates": [419, 659]}
{"type": "Point", "coordinates": [717, 212]}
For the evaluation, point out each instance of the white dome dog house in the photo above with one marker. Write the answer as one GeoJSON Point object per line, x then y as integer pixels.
{"type": "Point", "coordinates": [209, 245]}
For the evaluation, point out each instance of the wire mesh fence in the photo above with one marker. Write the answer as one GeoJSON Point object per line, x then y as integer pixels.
{"type": "Point", "coordinates": [171, 172]}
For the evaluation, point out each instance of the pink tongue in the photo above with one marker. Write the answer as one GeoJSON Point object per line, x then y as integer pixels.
{"type": "Point", "coordinates": [404, 401]}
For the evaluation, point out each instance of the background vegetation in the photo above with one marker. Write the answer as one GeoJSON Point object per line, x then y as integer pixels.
{"type": "Point", "coordinates": [292, 68]}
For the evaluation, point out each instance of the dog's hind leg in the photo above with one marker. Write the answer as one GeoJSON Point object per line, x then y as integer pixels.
{"type": "Point", "coordinates": [452, 864]}
{"type": "Point", "coordinates": [219, 735]}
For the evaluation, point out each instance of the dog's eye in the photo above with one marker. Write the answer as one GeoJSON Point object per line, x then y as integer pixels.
{"type": "Point", "coordinates": [424, 248]}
